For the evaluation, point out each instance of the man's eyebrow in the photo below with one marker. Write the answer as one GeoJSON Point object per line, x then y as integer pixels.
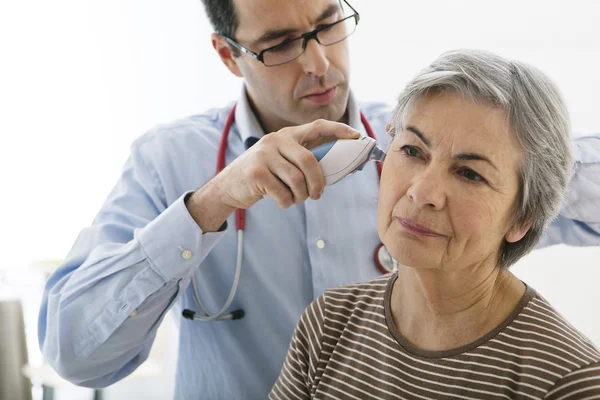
{"type": "Point", "coordinates": [272, 35]}
{"type": "Point", "coordinates": [279, 33]}
{"type": "Point", "coordinates": [461, 156]}
{"type": "Point", "coordinates": [328, 12]}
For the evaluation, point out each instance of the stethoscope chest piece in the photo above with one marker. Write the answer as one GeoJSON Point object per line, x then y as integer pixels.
{"type": "Point", "coordinates": [384, 261]}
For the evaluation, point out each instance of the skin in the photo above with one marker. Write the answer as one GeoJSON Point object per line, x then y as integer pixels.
{"type": "Point", "coordinates": [280, 165]}
{"type": "Point", "coordinates": [450, 289]}
{"type": "Point", "coordinates": [278, 94]}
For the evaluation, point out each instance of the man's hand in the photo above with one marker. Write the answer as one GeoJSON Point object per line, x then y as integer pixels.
{"type": "Point", "coordinates": [279, 166]}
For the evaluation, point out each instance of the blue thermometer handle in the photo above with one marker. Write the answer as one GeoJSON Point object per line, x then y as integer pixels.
{"type": "Point", "coordinates": [322, 149]}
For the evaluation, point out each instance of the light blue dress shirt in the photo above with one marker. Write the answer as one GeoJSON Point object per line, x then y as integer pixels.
{"type": "Point", "coordinates": [143, 248]}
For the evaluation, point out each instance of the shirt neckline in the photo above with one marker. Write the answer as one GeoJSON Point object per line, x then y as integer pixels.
{"type": "Point", "coordinates": [408, 347]}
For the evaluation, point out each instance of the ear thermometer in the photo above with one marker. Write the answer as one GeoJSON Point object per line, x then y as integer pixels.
{"type": "Point", "coordinates": [346, 156]}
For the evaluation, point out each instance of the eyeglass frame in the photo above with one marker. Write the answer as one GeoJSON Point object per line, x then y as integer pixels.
{"type": "Point", "coordinates": [306, 37]}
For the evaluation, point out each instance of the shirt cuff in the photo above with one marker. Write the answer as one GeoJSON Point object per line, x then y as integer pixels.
{"type": "Point", "coordinates": [174, 243]}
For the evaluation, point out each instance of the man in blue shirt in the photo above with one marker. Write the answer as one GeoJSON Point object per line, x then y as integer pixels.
{"type": "Point", "coordinates": [164, 221]}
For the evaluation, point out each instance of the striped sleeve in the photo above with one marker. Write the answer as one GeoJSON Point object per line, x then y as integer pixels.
{"type": "Point", "coordinates": [583, 383]}
{"type": "Point", "coordinates": [299, 369]}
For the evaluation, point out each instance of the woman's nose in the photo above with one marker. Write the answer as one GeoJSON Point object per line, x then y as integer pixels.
{"type": "Point", "coordinates": [428, 189]}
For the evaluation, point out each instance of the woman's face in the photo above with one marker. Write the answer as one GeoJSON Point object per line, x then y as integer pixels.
{"type": "Point", "coordinates": [449, 185]}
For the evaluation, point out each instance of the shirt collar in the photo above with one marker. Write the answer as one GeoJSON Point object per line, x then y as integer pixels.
{"type": "Point", "coordinates": [251, 131]}
{"type": "Point", "coordinates": [247, 123]}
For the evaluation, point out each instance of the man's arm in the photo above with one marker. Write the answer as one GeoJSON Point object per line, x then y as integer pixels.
{"type": "Point", "coordinates": [102, 307]}
{"type": "Point", "coordinates": [579, 221]}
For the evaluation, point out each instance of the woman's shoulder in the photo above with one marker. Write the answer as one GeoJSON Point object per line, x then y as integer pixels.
{"type": "Point", "coordinates": [362, 301]}
{"type": "Point", "coordinates": [362, 292]}
{"type": "Point", "coordinates": [551, 336]}
{"type": "Point", "coordinates": [571, 360]}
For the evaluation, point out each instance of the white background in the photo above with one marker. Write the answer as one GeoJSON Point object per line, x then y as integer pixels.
{"type": "Point", "coordinates": [80, 80]}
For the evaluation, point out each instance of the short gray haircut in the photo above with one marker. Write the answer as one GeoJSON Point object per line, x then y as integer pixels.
{"type": "Point", "coordinates": [537, 116]}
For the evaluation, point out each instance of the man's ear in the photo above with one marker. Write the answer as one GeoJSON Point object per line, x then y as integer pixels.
{"type": "Point", "coordinates": [224, 52]}
{"type": "Point", "coordinates": [517, 232]}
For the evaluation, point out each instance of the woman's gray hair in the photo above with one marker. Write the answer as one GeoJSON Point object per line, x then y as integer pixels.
{"type": "Point", "coordinates": [536, 115]}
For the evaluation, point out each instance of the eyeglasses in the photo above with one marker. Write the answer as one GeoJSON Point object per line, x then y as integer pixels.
{"type": "Point", "coordinates": [291, 49]}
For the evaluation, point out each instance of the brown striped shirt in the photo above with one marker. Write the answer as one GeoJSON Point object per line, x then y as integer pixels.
{"type": "Point", "coordinates": [347, 347]}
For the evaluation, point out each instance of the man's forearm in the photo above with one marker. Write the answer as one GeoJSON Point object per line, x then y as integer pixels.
{"type": "Point", "coordinates": [207, 209]}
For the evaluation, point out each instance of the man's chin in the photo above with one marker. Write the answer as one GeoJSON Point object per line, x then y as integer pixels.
{"type": "Point", "coordinates": [330, 112]}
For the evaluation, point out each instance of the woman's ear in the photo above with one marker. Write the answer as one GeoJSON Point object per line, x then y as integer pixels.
{"type": "Point", "coordinates": [390, 129]}
{"type": "Point", "coordinates": [517, 232]}
{"type": "Point", "coordinates": [224, 52]}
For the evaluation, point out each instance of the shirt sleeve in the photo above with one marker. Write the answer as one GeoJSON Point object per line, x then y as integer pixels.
{"type": "Point", "coordinates": [579, 221]}
{"type": "Point", "coordinates": [583, 383]}
{"type": "Point", "coordinates": [102, 307]}
{"type": "Point", "coordinates": [296, 380]}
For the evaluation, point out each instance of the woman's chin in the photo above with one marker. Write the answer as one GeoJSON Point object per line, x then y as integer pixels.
{"type": "Point", "coordinates": [416, 259]}
{"type": "Point", "coordinates": [412, 251]}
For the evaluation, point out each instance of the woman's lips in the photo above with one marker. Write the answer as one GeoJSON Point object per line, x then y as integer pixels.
{"type": "Point", "coordinates": [322, 97]}
{"type": "Point", "coordinates": [416, 229]}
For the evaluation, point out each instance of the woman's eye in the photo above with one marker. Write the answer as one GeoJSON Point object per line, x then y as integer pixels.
{"type": "Point", "coordinates": [411, 151]}
{"type": "Point", "coordinates": [471, 175]}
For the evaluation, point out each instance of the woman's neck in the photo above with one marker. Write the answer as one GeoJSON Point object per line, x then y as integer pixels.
{"type": "Point", "coordinates": [439, 310]}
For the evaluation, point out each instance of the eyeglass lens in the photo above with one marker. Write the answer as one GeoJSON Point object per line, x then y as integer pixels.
{"type": "Point", "coordinates": [289, 51]}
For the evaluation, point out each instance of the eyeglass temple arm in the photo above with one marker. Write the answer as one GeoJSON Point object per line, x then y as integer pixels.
{"type": "Point", "coordinates": [240, 47]}
{"type": "Point", "coordinates": [353, 10]}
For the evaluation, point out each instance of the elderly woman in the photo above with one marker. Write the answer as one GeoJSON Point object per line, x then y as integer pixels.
{"type": "Point", "coordinates": [477, 167]}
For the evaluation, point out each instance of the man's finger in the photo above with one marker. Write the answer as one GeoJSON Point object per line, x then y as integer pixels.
{"type": "Point", "coordinates": [291, 176]}
{"type": "Point", "coordinates": [278, 191]}
{"type": "Point", "coordinates": [320, 129]}
{"type": "Point", "coordinates": [306, 162]}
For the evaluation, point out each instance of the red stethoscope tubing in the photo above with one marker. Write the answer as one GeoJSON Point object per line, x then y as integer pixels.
{"type": "Point", "coordinates": [240, 213]}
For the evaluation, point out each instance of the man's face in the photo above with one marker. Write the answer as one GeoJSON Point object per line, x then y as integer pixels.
{"type": "Point", "coordinates": [313, 86]}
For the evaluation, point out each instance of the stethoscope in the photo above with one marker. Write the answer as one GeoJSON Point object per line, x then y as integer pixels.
{"type": "Point", "coordinates": [383, 260]}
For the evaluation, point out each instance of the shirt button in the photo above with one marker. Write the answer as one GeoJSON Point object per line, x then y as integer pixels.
{"type": "Point", "coordinates": [320, 243]}
{"type": "Point", "coordinates": [133, 314]}
{"type": "Point", "coordinates": [186, 254]}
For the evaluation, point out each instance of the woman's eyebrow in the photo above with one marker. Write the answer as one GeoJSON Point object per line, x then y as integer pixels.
{"type": "Point", "coordinates": [461, 156]}
{"type": "Point", "coordinates": [419, 134]}
{"type": "Point", "coordinates": [476, 157]}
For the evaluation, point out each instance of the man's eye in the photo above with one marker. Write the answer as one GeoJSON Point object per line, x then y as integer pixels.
{"type": "Point", "coordinates": [283, 47]}
{"type": "Point", "coordinates": [325, 27]}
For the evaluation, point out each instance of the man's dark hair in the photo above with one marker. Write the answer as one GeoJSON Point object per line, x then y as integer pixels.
{"type": "Point", "coordinates": [223, 19]}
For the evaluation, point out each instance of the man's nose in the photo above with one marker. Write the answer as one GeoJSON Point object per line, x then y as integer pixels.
{"type": "Point", "coordinates": [428, 189]}
{"type": "Point", "coordinates": [314, 60]}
